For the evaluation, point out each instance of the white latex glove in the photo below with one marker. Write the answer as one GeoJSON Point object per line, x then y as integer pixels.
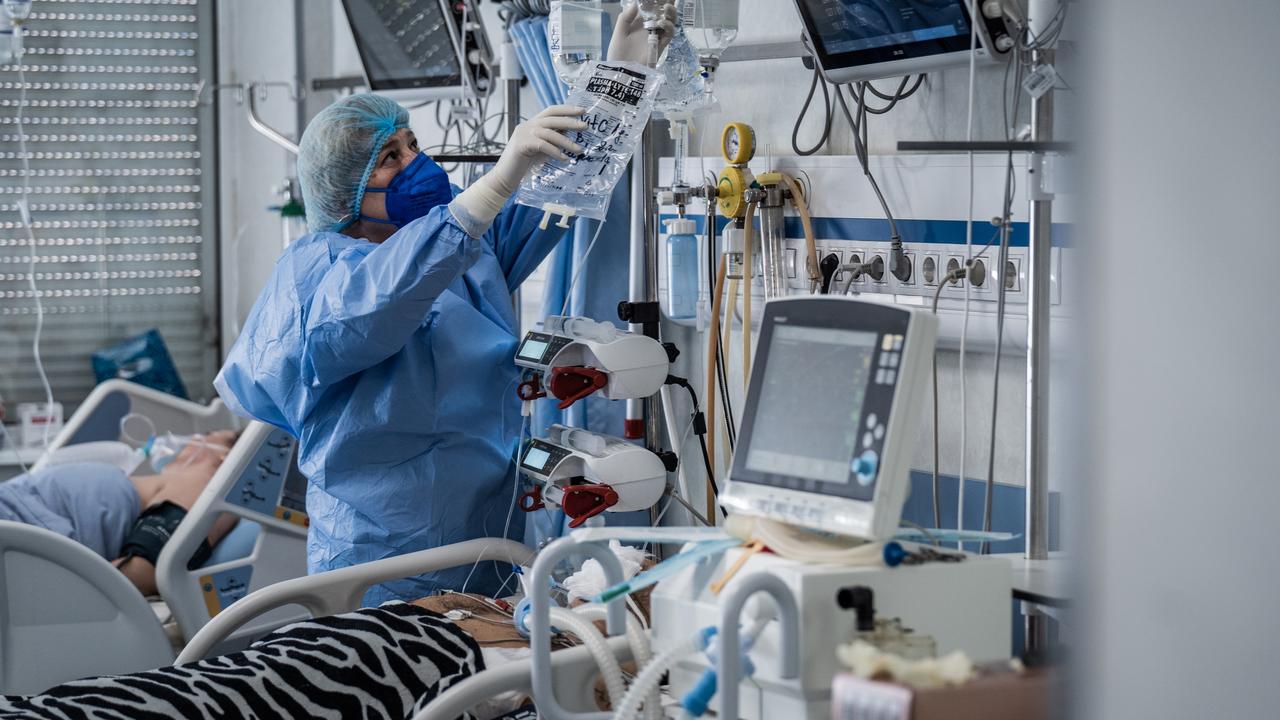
{"type": "Point", "coordinates": [630, 41]}
{"type": "Point", "coordinates": [533, 141]}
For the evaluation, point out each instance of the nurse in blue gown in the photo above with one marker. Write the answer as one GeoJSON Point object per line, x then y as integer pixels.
{"type": "Point", "coordinates": [384, 339]}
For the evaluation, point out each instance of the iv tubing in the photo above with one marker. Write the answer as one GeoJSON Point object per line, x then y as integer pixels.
{"type": "Point", "coordinates": [591, 637]}
{"type": "Point", "coordinates": [748, 277]}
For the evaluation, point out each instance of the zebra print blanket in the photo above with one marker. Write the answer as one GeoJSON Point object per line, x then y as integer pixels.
{"type": "Point", "coordinates": [386, 662]}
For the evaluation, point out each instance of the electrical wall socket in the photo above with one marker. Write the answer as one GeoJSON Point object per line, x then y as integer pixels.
{"type": "Point", "coordinates": [929, 264]}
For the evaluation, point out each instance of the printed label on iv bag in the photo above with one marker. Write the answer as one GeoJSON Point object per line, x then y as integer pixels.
{"type": "Point", "coordinates": [618, 99]}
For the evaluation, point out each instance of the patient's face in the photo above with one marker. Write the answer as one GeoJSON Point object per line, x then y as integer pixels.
{"type": "Point", "coordinates": [205, 454]}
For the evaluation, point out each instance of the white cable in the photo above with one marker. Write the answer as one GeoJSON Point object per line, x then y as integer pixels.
{"type": "Point", "coordinates": [24, 210]}
{"type": "Point", "coordinates": [968, 244]}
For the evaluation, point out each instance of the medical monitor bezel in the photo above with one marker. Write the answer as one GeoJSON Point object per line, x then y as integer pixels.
{"type": "Point", "coordinates": [900, 59]}
{"type": "Point", "coordinates": [901, 362]}
{"type": "Point", "coordinates": [474, 83]}
{"type": "Point", "coordinates": [879, 319]}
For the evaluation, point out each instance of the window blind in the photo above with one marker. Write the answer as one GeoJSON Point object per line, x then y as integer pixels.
{"type": "Point", "coordinates": [122, 196]}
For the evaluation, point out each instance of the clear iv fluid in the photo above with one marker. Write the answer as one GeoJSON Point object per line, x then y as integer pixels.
{"type": "Point", "coordinates": [712, 25]}
{"type": "Point", "coordinates": [650, 9]}
{"type": "Point", "coordinates": [575, 35]}
{"type": "Point", "coordinates": [681, 298]}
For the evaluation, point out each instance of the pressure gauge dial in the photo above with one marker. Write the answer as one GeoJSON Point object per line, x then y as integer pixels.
{"type": "Point", "coordinates": [738, 143]}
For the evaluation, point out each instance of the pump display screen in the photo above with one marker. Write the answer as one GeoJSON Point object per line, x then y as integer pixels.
{"type": "Point", "coordinates": [536, 459]}
{"type": "Point", "coordinates": [869, 31]}
{"type": "Point", "coordinates": [810, 403]}
{"type": "Point", "coordinates": [533, 349]}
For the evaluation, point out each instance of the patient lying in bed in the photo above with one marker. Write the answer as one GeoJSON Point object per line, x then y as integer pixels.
{"type": "Point", "coordinates": [385, 662]}
{"type": "Point", "coordinates": [119, 517]}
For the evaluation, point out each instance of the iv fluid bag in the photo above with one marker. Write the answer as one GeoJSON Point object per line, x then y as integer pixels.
{"type": "Point", "coordinates": [618, 99]}
{"type": "Point", "coordinates": [712, 25]}
{"type": "Point", "coordinates": [575, 35]}
{"type": "Point", "coordinates": [684, 90]}
{"type": "Point", "coordinates": [650, 9]}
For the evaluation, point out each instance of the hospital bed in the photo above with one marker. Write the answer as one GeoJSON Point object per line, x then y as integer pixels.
{"type": "Point", "coordinates": [66, 613]}
{"type": "Point", "coordinates": [338, 591]}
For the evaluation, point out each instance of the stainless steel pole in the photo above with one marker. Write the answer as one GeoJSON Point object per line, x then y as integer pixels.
{"type": "Point", "coordinates": [636, 279]}
{"type": "Point", "coordinates": [512, 74]}
{"type": "Point", "coordinates": [1038, 359]}
{"type": "Point", "coordinates": [649, 182]}
{"type": "Point", "coordinates": [1038, 339]}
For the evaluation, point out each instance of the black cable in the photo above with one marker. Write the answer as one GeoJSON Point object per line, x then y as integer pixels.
{"type": "Point", "coordinates": [706, 459]}
{"type": "Point", "coordinates": [722, 378]}
{"type": "Point", "coordinates": [804, 111]}
{"type": "Point", "coordinates": [862, 88]}
{"type": "Point", "coordinates": [699, 429]}
{"type": "Point", "coordinates": [898, 95]}
{"type": "Point", "coordinates": [725, 403]}
{"type": "Point", "coordinates": [898, 259]}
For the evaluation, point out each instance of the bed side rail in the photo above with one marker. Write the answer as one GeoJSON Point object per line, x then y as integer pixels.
{"type": "Point", "coordinates": [338, 591]}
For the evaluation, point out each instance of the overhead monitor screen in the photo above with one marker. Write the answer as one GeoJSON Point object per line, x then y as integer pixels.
{"type": "Point", "coordinates": [810, 402]}
{"type": "Point", "coordinates": [404, 44]}
{"type": "Point", "coordinates": [855, 32]}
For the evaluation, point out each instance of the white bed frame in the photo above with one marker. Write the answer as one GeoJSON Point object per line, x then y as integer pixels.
{"type": "Point", "coordinates": [64, 610]}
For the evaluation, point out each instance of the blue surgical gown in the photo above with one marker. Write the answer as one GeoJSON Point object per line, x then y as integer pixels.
{"type": "Point", "coordinates": [393, 365]}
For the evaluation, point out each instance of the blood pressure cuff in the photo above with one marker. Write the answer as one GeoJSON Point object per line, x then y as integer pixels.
{"type": "Point", "coordinates": [152, 530]}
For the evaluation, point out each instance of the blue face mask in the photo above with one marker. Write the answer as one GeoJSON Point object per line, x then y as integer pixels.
{"type": "Point", "coordinates": [414, 191]}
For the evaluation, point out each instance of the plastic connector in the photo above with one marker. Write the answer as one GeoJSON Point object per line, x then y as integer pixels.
{"type": "Point", "coordinates": [899, 263]}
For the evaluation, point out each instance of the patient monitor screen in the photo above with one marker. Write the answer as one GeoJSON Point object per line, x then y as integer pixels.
{"type": "Point", "coordinates": [404, 44]}
{"type": "Point", "coordinates": [882, 30]}
{"type": "Point", "coordinates": [810, 402]}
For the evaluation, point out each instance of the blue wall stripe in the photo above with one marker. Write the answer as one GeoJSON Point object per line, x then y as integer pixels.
{"type": "Point", "coordinates": [925, 232]}
{"type": "Point", "coordinates": [1007, 509]}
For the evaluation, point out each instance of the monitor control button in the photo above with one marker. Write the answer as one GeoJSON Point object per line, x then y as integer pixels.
{"type": "Point", "coordinates": [879, 432]}
{"type": "Point", "coordinates": [868, 439]}
{"type": "Point", "coordinates": [872, 420]}
{"type": "Point", "coordinates": [865, 466]}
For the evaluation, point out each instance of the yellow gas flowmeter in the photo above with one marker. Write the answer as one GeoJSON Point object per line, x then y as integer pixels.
{"type": "Point", "coordinates": [738, 147]}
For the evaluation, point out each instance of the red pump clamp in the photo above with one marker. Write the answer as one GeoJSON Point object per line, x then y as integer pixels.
{"type": "Point", "coordinates": [572, 383]}
{"type": "Point", "coordinates": [532, 500]}
{"type": "Point", "coordinates": [531, 389]}
{"type": "Point", "coordinates": [586, 501]}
